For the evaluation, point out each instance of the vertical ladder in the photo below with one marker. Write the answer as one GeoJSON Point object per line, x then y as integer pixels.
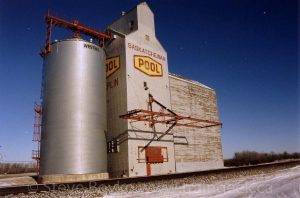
{"type": "Point", "coordinates": [37, 134]}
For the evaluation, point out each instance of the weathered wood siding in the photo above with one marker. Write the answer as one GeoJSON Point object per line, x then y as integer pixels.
{"type": "Point", "coordinates": [204, 149]}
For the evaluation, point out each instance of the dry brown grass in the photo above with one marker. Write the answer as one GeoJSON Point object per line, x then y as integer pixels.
{"type": "Point", "coordinates": [16, 168]}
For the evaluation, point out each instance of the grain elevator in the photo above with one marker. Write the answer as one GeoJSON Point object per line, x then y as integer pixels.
{"type": "Point", "coordinates": [112, 109]}
{"type": "Point", "coordinates": [143, 69]}
{"type": "Point", "coordinates": [137, 65]}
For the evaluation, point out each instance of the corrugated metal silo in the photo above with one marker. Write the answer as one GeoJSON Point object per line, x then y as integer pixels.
{"type": "Point", "coordinates": [74, 109]}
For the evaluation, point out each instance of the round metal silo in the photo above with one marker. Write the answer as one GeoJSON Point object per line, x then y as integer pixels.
{"type": "Point", "coordinates": [74, 109]}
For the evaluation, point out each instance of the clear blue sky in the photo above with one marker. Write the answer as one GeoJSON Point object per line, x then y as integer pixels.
{"type": "Point", "coordinates": [248, 51]}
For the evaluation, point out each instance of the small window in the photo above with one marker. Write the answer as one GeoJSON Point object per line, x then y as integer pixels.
{"type": "Point", "coordinates": [113, 146]}
{"type": "Point", "coordinates": [131, 24]}
{"type": "Point", "coordinates": [145, 85]}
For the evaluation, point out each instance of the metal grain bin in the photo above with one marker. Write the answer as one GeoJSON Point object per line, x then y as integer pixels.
{"type": "Point", "coordinates": [74, 109]}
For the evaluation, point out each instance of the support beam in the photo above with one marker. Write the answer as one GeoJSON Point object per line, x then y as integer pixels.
{"type": "Point", "coordinates": [166, 116]}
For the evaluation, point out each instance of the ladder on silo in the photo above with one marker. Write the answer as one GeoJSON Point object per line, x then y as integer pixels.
{"type": "Point", "coordinates": [37, 134]}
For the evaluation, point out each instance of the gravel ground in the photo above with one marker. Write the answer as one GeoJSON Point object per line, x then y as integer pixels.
{"type": "Point", "coordinates": [25, 180]}
{"type": "Point", "coordinates": [100, 191]}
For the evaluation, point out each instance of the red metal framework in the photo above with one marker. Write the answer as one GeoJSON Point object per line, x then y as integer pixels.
{"type": "Point", "coordinates": [165, 116]}
{"type": "Point", "coordinates": [78, 29]}
{"type": "Point", "coordinates": [37, 134]}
